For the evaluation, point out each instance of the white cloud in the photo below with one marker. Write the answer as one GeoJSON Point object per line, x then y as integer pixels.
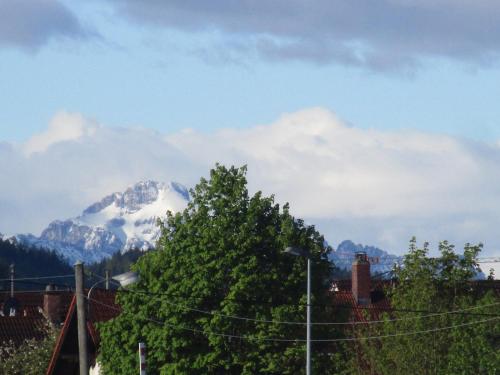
{"type": "Point", "coordinates": [376, 187]}
{"type": "Point", "coordinates": [312, 154]}
{"type": "Point", "coordinates": [63, 127]}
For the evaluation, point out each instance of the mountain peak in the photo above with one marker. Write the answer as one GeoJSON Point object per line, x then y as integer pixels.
{"type": "Point", "coordinates": [137, 196]}
{"type": "Point", "coordinates": [381, 261]}
{"type": "Point", "coordinates": [119, 221]}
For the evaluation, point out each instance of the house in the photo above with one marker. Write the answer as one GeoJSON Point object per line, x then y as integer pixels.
{"type": "Point", "coordinates": [64, 360]}
{"type": "Point", "coordinates": [26, 315]}
{"type": "Point", "coordinates": [362, 293]}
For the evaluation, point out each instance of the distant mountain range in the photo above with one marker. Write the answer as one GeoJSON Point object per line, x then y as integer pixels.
{"type": "Point", "coordinates": [127, 220]}
{"type": "Point", "coordinates": [119, 222]}
{"type": "Point", "coordinates": [380, 261]}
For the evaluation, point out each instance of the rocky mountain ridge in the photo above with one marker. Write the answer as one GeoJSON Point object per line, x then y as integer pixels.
{"type": "Point", "coordinates": [380, 261]}
{"type": "Point", "coordinates": [118, 222]}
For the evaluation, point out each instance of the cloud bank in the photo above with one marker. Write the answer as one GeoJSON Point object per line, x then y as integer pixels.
{"type": "Point", "coordinates": [29, 24]}
{"type": "Point", "coordinates": [376, 187]}
{"type": "Point", "coordinates": [380, 35]}
{"type": "Point", "coordinates": [64, 127]}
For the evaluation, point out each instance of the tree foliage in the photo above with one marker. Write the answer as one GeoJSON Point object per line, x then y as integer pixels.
{"type": "Point", "coordinates": [29, 358]}
{"type": "Point", "coordinates": [223, 257]}
{"type": "Point", "coordinates": [437, 284]}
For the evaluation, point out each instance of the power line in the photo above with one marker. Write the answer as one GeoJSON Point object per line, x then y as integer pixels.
{"type": "Point", "coordinates": [255, 301]}
{"type": "Point", "coordinates": [235, 317]}
{"type": "Point", "coordinates": [251, 338]}
{"type": "Point", "coordinates": [39, 277]}
{"type": "Point", "coordinates": [432, 313]}
{"type": "Point", "coordinates": [28, 291]}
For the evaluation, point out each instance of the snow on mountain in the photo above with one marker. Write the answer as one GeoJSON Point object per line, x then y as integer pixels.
{"type": "Point", "coordinates": [380, 260]}
{"type": "Point", "coordinates": [119, 222]}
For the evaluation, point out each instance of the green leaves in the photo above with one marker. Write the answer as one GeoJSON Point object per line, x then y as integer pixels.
{"type": "Point", "coordinates": [222, 256]}
{"type": "Point", "coordinates": [450, 347]}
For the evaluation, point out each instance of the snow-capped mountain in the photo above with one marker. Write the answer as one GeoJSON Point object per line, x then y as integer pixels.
{"type": "Point", "coordinates": [118, 222]}
{"type": "Point", "coordinates": [380, 260]}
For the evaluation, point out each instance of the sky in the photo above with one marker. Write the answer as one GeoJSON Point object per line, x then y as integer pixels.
{"type": "Point", "coordinates": [377, 121]}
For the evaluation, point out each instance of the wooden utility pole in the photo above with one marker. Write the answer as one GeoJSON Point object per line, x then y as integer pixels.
{"type": "Point", "coordinates": [82, 320]}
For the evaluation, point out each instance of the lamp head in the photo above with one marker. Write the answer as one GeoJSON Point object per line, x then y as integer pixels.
{"type": "Point", "coordinates": [297, 251]}
{"type": "Point", "coordinates": [126, 278]}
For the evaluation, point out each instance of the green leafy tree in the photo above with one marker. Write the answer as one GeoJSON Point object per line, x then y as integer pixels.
{"type": "Point", "coordinates": [223, 257]}
{"type": "Point", "coordinates": [30, 358]}
{"type": "Point", "coordinates": [437, 284]}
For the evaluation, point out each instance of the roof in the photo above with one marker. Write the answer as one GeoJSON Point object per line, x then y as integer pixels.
{"type": "Point", "coordinates": [102, 307]}
{"type": "Point", "coordinates": [343, 297]}
{"type": "Point", "coordinates": [29, 321]}
{"type": "Point", "coordinates": [62, 336]}
{"type": "Point", "coordinates": [17, 329]}
{"type": "Point", "coordinates": [376, 284]}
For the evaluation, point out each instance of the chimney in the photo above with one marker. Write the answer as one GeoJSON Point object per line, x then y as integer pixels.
{"type": "Point", "coordinates": [52, 304]}
{"type": "Point", "coordinates": [361, 278]}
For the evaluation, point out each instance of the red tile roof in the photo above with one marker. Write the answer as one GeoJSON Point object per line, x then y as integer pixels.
{"type": "Point", "coordinates": [17, 329]}
{"type": "Point", "coordinates": [102, 307]}
{"type": "Point", "coordinates": [342, 296]}
{"type": "Point", "coordinates": [29, 322]}
{"type": "Point", "coordinates": [62, 336]}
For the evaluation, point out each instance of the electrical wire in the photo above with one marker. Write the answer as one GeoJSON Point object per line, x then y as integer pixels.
{"type": "Point", "coordinates": [255, 301]}
{"type": "Point", "coordinates": [431, 314]}
{"type": "Point", "coordinates": [39, 277]}
{"type": "Point", "coordinates": [369, 308]}
{"type": "Point", "coordinates": [251, 338]}
{"type": "Point", "coordinates": [3, 292]}
{"type": "Point", "coordinates": [235, 317]}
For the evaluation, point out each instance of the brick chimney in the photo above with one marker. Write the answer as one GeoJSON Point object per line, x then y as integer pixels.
{"type": "Point", "coordinates": [52, 304]}
{"type": "Point", "coordinates": [361, 278]}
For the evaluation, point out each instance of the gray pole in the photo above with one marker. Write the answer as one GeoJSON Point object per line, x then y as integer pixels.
{"type": "Point", "coordinates": [308, 354]}
{"type": "Point", "coordinates": [107, 279]}
{"type": "Point", "coordinates": [12, 274]}
{"type": "Point", "coordinates": [82, 320]}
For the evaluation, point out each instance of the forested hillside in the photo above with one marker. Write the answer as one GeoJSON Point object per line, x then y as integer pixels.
{"type": "Point", "coordinates": [31, 262]}
{"type": "Point", "coordinates": [118, 263]}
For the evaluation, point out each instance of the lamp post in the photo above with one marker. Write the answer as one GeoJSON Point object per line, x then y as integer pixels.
{"type": "Point", "coordinates": [81, 312]}
{"type": "Point", "coordinates": [305, 254]}
{"type": "Point", "coordinates": [122, 279]}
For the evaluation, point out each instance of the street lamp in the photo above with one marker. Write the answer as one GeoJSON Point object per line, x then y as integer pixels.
{"type": "Point", "coordinates": [81, 313]}
{"type": "Point", "coordinates": [126, 278]}
{"type": "Point", "coordinates": [122, 279]}
{"type": "Point", "coordinates": [297, 251]}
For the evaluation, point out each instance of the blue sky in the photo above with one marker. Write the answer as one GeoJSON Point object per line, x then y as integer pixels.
{"type": "Point", "coordinates": [128, 73]}
{"type": "Point", "coordinates": [395, 107]}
